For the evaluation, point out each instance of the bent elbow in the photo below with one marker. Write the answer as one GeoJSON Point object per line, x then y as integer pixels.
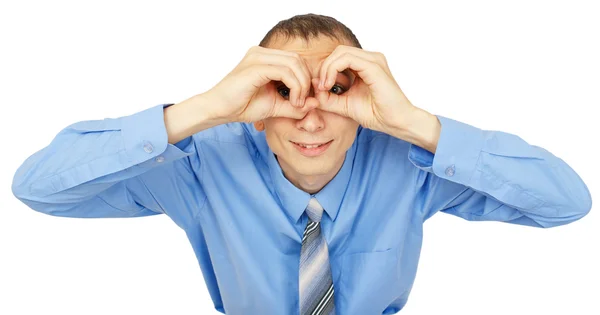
{"type": "Point", "coordinates": [581, 204]}
{"type": "Point", "coordinates": [585, 205]}
{"type": "Point", "coordinates": [568, 214]}
{"type": "Point", "coordinates": [20, 188]}
{"type": "Point", "coordinates": [20, 192]}
{"type": "Point", "coordinates": [574, 204]}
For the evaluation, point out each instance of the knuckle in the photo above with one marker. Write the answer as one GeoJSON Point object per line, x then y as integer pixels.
{"type": "Point", "coordinates": [251, 56]}
{"type": "Point", "coordinates": [298, 63]}
{"type": "Point", "coordinates": [290, 79]}
{"type": "Point", "coordinates": [251, 50]}
{"type": "Point", "coordinates": [295, 55]}
{"type": "Point", "coordinates": [288, 71]}
{"type": "Point", "coordinates": [306, 84]}
{"type": "Point", "coordinates": [303, 91]}
{"type": "Point", "coordinates": [343, 58]}
{"type": "Point", "coordinates": [345, 48]}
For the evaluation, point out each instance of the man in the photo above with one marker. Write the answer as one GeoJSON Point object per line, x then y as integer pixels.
{"type": "Point", "coordinates": [303, 178]}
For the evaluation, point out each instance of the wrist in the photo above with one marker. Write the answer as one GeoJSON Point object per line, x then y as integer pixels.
{"type": "Point", "coordinates": [189, 117]}
{"type": "Point", "coordinates": [205, 106]}
{"type": "Point", "coordinates": [420, 128]}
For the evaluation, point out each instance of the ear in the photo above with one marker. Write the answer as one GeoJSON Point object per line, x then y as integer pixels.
{"type": "Point", "coordinates": [259, 125]}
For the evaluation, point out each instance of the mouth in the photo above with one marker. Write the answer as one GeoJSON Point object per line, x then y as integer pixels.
{"type": "Point", "coordinates": [312, 149]}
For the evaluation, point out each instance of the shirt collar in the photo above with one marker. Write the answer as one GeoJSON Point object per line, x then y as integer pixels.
{"type": "Point", "coordinates": [295, 200]}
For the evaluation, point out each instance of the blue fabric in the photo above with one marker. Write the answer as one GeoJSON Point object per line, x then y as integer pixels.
{"type": "Point", "coordinates": [245, 221]}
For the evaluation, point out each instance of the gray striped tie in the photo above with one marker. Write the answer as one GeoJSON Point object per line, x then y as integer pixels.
{"type": "Point", "coordinates": [316, 285]}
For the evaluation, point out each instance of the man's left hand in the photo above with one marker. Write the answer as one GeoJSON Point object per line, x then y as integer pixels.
{"type": "Point", "coordinates": [374, 100]}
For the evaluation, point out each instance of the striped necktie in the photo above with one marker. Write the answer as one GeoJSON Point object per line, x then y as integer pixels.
{"type": "Point", "coordinates": [316, 285]}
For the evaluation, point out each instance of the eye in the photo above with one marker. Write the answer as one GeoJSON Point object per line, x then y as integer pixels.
{"type": "Point", "coordinates": [284, 91]}
{"type": "Point", "coordinates": [337, 89]}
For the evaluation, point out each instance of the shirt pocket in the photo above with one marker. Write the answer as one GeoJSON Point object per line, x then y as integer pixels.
{"type": "Point", "coordinates": [369, 281]}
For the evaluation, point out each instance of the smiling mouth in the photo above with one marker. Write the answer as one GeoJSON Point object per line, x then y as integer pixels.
{"type": "Point", "coordinates": [312, 149]}
{"type": "Point", "coordinates": [311, 145]}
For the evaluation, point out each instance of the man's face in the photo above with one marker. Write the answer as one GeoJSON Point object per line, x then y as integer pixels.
{"type": "Point", "coordinates": [318, 126]}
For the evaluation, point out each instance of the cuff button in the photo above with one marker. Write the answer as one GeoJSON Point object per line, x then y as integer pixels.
{"type": "Point", "coordinates": [450, 170]}
{"type": "Point", "coordinates": [148, 148]}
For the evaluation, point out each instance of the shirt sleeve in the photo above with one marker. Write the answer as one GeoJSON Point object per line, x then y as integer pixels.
{"type": "Point", "coordinates": [483, 175]}
{"type": "Point", "coordinates": [93, 168]}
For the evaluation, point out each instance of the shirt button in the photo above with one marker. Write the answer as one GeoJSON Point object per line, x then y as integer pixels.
{"type": "Point", "coordinates": [160, 159]}
{"type": "Point", "coordinates": [450, 170]}
{"type": "Point", "coordinates": [148, 148]}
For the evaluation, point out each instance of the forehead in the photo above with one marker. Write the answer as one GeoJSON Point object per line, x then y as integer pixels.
{"type": "Point", "coordinates": [312, 51]}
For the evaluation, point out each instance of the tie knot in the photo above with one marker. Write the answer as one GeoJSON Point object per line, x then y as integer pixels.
{"type": "Point", "coordinates": [314, 210]}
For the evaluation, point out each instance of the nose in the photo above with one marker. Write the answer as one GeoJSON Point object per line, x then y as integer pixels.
{"type": "Point", "coordinates": [313, 121]}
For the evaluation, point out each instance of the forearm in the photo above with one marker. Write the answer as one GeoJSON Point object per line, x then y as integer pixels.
{"type": "Point", "coordinates": [421, 128]}
{"type": "Point", "coordinates": [88, 157]}
{"type": "Point", "coordinates": [189, 117]}
{"type": "Point", "coordinates": [485, 175]}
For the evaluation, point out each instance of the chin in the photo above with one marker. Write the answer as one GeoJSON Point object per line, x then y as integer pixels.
{"type": "Point", "coordinates": [312, 166]}
{"type": "Point", "coordinates": [311, 170]}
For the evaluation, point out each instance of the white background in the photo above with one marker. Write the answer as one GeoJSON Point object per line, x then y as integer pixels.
{"type": "Point", "coordinates": [526, 67]}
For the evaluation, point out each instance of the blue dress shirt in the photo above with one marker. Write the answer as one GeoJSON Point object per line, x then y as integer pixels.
{"type": "Point", "coordinates": [224, 187]}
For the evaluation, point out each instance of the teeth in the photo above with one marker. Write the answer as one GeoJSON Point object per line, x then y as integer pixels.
{"type": "Point", "coordinates": [312, 146]}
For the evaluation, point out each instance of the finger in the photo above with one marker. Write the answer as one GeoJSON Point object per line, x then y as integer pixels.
{"type": "Point", "coordinates": [284, 58]}
{"type": "Point", "coordinates": [284, 109]}
{"type": "Point", "coordinates": [315, 83]}
{"type": "Point", "coordinates": [268, 73]}
{"type": "Point", "coordinates": [365, 69]}
{"type": "Point", "coordinates": [299, 63]}
{"type": "Point", "coordinates": [327, 61]}
{"type": "Point", "coordinates": [299, 68]}
{"type": "Point", "coordinates": [375, 57]}
{"type": "Point", "coordinates": [305, 92]}
{"type": "Point", "coordinates": [328, 101]}
{"type": "Point", "coordinates": [372, 56]}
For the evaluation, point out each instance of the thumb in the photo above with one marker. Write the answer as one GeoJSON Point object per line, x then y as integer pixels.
{"type": "Point", "coordinates": [286, 109]}
{"type": "Point", "coordinates": [328, 101]}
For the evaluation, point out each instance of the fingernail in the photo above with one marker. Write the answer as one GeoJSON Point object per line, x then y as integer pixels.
{"type": "Point", "coordinates": [321, 84]}
{"type": "Point", "coordinates": [329, 83]}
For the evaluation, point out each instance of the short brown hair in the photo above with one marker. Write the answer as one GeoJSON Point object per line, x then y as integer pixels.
{"type": "Point", "coordinates": [308, 26]}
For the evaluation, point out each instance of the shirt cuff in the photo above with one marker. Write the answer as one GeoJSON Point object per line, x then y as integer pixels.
{"type": "Point", "coordinates": [457, 152]}
{"type": "Point", "coordinates": [146, 139]}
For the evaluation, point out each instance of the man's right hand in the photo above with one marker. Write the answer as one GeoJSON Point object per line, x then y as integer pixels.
{"type": "Point", "coordinates": [266, 83]}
